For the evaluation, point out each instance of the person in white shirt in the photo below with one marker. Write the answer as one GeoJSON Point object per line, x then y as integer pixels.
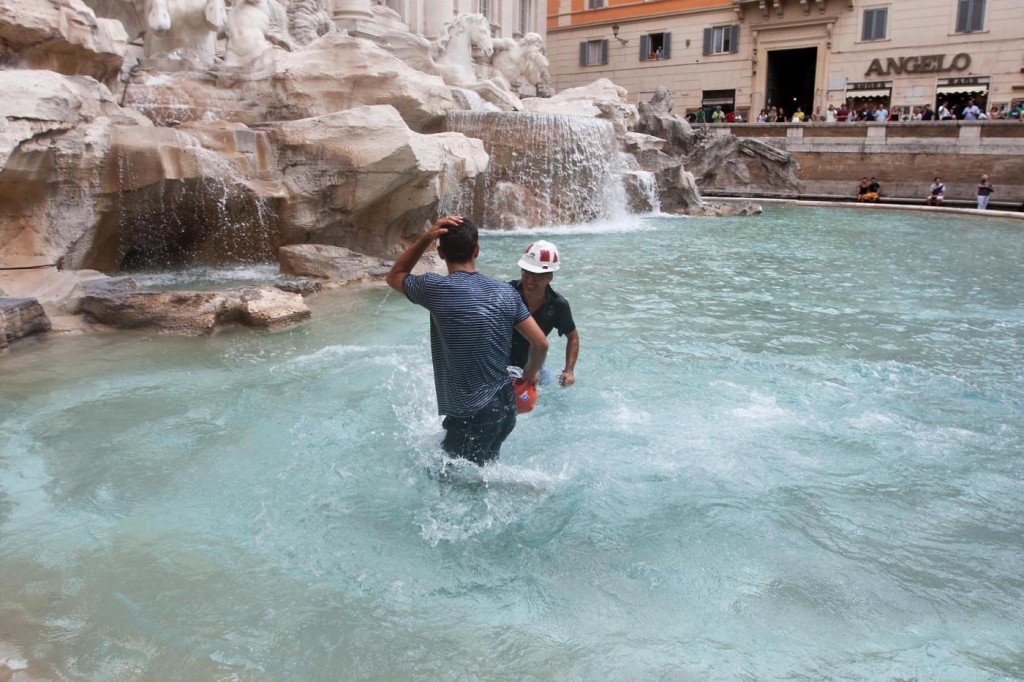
{"type": "Point", "coordinates": [881, 114]}
{"type": "Point", "coordinates": [936, 192]}
{"type": "Point", "coordinates": [830, 114]}
{"type": "Point", "coordinates": [944, 114]}
{"type": "Point", "coordinates": [971, 112]}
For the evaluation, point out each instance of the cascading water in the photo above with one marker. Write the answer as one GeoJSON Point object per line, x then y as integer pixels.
{"type": "Point", "coordinates": [215, 216]}
{"type": "Point", "coordinates": [544, 169]}
{"type": "Point", "coordinates": [643, 192]}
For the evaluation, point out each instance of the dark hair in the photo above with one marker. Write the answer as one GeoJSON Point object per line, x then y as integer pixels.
{"type": "Point", "coordinates": [459, 242]}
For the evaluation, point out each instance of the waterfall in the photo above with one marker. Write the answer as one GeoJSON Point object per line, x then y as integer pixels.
{"type": "Point", "coordinates": [545, 169]}
{"type": "Point", "coordinates": [642, 192]}
{"type": "Point", "coordinates": [194, 206]}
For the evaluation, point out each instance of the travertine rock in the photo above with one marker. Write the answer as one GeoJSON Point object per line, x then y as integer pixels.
{"type": "Point", "coordinates": [361, 178]}
{"type": "Point", "coordinates": [63, 36]}
{"type": "Point", "coordinates": [271, 308]}
{"type": "Point", "coordinates": [198, 312]}
{"type": "Point", "coordinates": [331, 74]}
{"type": "Point", "coordinates": [53, 152]}
{"type": "Point", "coordinates": [329, 262]}
{"type": "Point", "coordinates": [600, 99]}
{"type": "Point", "coordinates": [709, 158]}
{"type": "Point", "coordinates": [20, 317]}
{"type": "Point", "coordinates": [88, 184]}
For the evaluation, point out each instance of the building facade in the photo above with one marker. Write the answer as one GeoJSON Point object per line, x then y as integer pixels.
{"type": "Point", "coordinates": [748, 55]}
{"type": "Point", "coordinates": [508, 18]}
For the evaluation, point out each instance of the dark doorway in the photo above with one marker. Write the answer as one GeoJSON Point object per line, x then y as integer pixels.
{"type": "Point", "coordinates": [791, 80]}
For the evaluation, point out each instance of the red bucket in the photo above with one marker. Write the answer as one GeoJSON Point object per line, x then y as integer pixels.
{"type": "Point", "coordinates": [526, 395]}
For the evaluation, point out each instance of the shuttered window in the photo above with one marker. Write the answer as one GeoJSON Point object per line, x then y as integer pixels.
{"type": "Point", "coordinates": [970, 16]}
{"type": "Point", "coordinates": [722, 39]}
{"type": "Point", "coordinates": [594, 53]}
{"type": "Point", "coordinates": [874, 24]}
{"type": "Point", "coordinates": [655, 46]}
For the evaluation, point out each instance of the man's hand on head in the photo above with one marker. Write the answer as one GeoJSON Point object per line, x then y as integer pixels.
{"type": "Point", "coordinates": [440, 227]}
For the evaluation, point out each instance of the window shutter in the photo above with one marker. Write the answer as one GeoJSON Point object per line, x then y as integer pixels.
{"type": "Point", "coordinates": [583, 54]}
{"type": "Point", "coordinates": [645, 47]}
{"type": "Point", "coordinates": [978, 15]}
{"type": "Point", "coordinates": [963, 16]}
{"type": "Point", "coordinates": [883, 15]}
{"type": "Point", "coordinates": [666, 44]}
{"type": "Point", "coordinates": [734, 39]}
{"type": "Point", "coordinates": [604, 51]}
{"type": "Point", "coordinates": [707, 40]}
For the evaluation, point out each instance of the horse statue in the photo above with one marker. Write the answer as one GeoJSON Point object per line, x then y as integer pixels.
{"type": "Point", "coordinates": [520, 61]}
{"type": "Point", "coordinates": [451, 56]}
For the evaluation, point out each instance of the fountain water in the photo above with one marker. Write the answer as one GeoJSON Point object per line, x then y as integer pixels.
{"type": "Point", "coordinates": [219, 215]}
{"type": "Point", "coordinates": [544, 169]}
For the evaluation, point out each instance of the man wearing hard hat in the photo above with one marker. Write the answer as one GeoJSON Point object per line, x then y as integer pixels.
{"type": "Point", "coordinates": [550, 309]}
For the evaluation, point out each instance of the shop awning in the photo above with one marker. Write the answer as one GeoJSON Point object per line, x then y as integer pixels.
{"type": "Point", "coordinates": [961, 89]}
{"type": "Point", "coordinates": [867, 94]}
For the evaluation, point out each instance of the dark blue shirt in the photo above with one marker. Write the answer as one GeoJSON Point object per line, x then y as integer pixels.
{"type": "Point", "coordinates": [554, 313]}
{"type": "Point", "coordinates": [472, 322]}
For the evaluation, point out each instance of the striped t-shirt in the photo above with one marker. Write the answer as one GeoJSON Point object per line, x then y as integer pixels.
{"type": "Point", "coordinates": [472, 320]}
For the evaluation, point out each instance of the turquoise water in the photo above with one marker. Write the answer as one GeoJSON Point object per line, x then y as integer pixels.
{"type": "Point", "coordinates": [794, 451]}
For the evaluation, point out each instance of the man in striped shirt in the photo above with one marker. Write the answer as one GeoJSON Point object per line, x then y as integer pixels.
{"type": "Point", "coordinates": [472, 320]}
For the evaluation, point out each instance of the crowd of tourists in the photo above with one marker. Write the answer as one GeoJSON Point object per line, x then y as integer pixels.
{"type": "Point", "coordinates": [865, 113]}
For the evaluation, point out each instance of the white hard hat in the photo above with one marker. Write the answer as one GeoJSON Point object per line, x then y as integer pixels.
{"type": "Point", "coordinates": [540, 257]}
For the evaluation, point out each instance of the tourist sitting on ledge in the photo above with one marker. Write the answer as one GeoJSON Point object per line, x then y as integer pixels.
{"type": "Point", "coordinates": [936, 193]}
{"type": "Point", "coordinates": [868, 191]}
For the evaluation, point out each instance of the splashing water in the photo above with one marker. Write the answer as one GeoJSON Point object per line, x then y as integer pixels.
{"type": "Point", "coordinates": [793, 451]}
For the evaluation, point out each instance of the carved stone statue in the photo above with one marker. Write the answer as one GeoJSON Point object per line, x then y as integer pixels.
{"type": "Point", "coordinates": [308, 20]}
{"type": "Point", "coordinates": [520, 61]}
{"type": "Point", "coordinates": [253, 27]}
{"type": "Point", "coordinates": [451, 56]}
{"type": "Point", "coordinates": [183, 29]}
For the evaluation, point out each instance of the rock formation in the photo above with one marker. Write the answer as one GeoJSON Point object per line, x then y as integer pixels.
{"type": "Point", "coordinates": [600, 99]}
{"type": "Point", "coordinates": [362, 179]}
{"type": "Point", "coordinates": [334, 73]}
{"type": "Point", "coordinates": [197, 312]}
{"type": "Point", "coordinates": [334, 263]}
{"type": "Point", "coordinates": [714, 159]}
{"type": "Point", "coordinates": [20, 317]}
{"type": "Point", "coordinates": [65, 37]}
